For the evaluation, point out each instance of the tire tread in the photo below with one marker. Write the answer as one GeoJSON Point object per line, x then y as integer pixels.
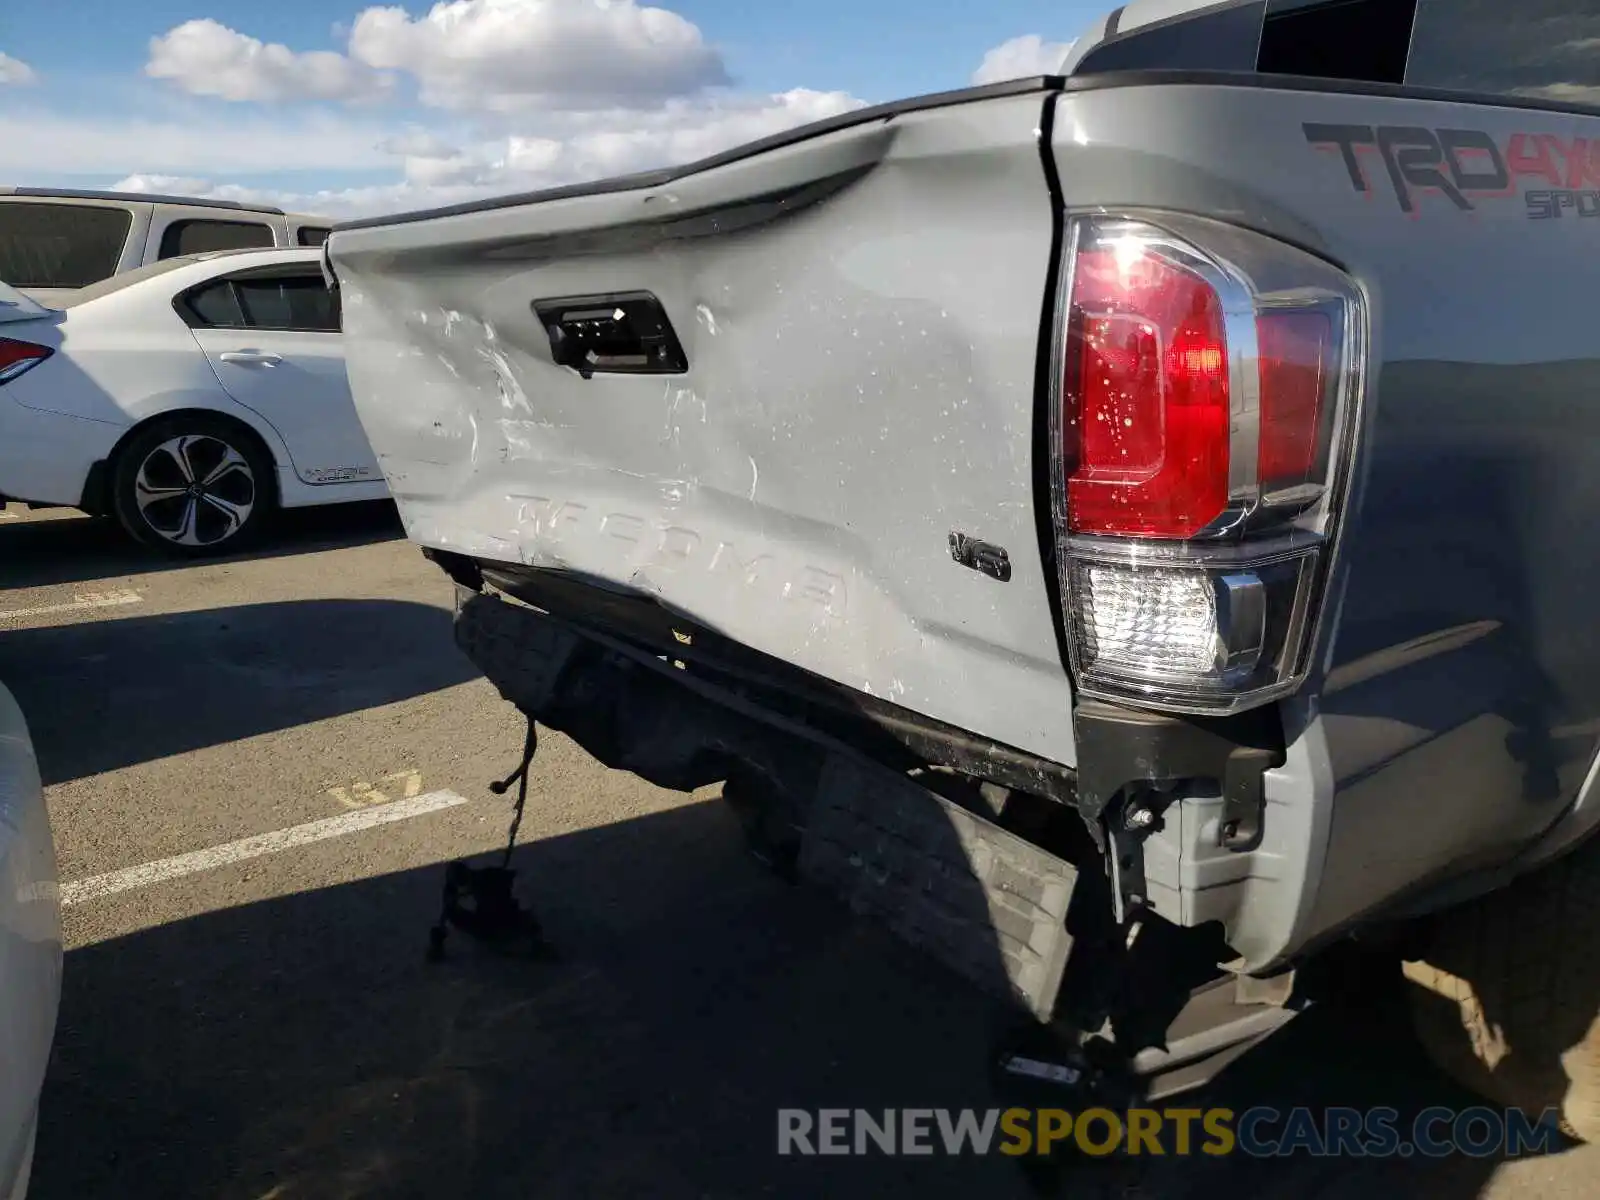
{"type": "Point", "coordinates": [1506, 999]}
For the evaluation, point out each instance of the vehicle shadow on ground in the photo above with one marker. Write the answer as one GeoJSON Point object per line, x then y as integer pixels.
{"type": "Point", "coordinates": [77, 548]}
{"type": "Point", "coordinates": [107, 694]}
{"type": "Point", "coordinates": [301, 1047]}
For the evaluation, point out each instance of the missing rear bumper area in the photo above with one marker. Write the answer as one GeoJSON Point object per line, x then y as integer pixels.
{"type": "Point", "coordinates": [979, 899]}
{"type": "Point", "coordinates": [1004, 887]}
{"type": "Point", "coordinates": [945, 877]}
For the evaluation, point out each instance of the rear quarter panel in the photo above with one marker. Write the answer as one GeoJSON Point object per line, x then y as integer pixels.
{"type": "Point", "coordinates": [1458, 693]}
{"type": "Point", "coordinates": [120, 360]}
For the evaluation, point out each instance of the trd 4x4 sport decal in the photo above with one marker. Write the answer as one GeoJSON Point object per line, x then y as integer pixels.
{"type": "Point", "coordinates": [1467, 165]}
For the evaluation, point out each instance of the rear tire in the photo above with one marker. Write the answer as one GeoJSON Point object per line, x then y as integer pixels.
{"type": "Point", "coordinates": [193, 485]}
{"type": "Point", "coordinates": [1507, 1000]}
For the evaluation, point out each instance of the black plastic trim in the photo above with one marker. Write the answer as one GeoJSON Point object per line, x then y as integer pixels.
{"type": "Point", "coordinates": [632, 328]}
{"type": "Point", "coordinates": [975, 554]}
{"type": "Point", "coordinates": [1114, 22]}
{"type": "Point", "coordinates": [666, 175]}
{"type": "Point", "coordinates": [96, 498]}
{"type": "Point", "coordinates": [873, 725]}
{"type": "Point", "coordinates": [1044, 398]}
{"type": "Point", "coordinates": [1120, 746]}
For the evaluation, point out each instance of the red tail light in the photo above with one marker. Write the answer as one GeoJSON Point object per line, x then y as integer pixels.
{"type": "Point", "coordinates": [1208, 376]}
{"type": "Point", "coordinates": [17, 357]}
{"type": "Point", "coordinates": [1153, 410]}
{"type": "Point", "coordinates": [1296, 356]}
{"type": "Point", "coordinates": [1151, 426]}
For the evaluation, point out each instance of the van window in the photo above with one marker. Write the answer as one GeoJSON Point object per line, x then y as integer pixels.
{"type": "Point", "coordinates": [199, 236]}
{"type": "Point", "coordinates": [1541, 49]}
{"type": "Point", "coordinates": [60, 245]}
{"type": "Point", "coordinates": [312, 235]}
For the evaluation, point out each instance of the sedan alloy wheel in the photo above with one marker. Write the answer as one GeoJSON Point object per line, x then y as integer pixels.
{"type": "Point", "coordinates": [195, 490]}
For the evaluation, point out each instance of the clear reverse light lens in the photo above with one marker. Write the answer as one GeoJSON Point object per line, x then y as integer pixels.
{"type": "Point", "coordinates": [1146, 624]}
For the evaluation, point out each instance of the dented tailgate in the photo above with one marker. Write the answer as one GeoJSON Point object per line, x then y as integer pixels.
{"type": "Point", "coordinates": [857, 313]}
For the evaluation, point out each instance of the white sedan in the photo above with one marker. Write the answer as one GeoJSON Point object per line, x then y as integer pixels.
{"type": "Point", "coordinates": [188, 398]}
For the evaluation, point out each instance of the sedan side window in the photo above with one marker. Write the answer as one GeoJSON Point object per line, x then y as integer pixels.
{"type": "Point", "coordinates": [215, 307]}
{"type": "Point", "coordinates": [299, 303]}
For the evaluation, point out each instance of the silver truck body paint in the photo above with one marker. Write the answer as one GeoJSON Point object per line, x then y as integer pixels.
{"type": "Point", "coordinates": [1477, 465]}
{"type": "Point", "coordinates": [860, 312]}
{"type": "Point", "coordinates": [858, 388]}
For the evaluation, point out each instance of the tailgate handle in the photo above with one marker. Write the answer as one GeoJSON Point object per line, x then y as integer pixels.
{"type": "Point", "coordinates": [627, 333]}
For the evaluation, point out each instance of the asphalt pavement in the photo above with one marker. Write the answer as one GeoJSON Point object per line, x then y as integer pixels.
{"type": "Point", "coordinates": [256, 769]}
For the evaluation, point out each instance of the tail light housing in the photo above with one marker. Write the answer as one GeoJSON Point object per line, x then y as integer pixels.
{"type": "Point", "coordinates": [18, 357]}
{"type": "Point", "coordinates": [1207, 386]}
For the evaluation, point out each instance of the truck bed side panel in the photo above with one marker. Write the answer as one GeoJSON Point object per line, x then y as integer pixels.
{"type": "Point", "coordinates": [1460, 700]}
{"type": "Point", "coordinates": [860, 314]}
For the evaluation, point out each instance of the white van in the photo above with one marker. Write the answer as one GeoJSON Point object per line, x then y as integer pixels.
{"type": "Point", "coordinates": [54, 241]}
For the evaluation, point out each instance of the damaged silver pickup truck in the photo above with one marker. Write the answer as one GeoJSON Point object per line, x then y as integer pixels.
{"type": "Point", "coordinates": [1149, 499]}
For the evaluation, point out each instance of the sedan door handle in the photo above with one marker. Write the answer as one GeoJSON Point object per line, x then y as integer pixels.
{"type": "Point", "coordinates": [250, 357]}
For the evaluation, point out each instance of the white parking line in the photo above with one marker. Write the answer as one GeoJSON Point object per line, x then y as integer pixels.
{"type": "Point", "coordinates": [163, 869]}
{"type": "Point", "coordinates": [77, 603]}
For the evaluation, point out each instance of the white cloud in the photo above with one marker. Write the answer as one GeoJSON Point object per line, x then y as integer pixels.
{"type": "Point", "coordinates": [206, 143]}
{"type": "Point", "coordinates": [1562, 93]}
{"type": "Point", "coordinates": [206, 58]}
{"type": "Point", "coordinates": [170, 185]}
{"type": "Point", "coordinates": [1020, 58]}
{"type": "Point", "coordinates": [424, 172]}
{"type": "Point", "coordinates": [323, 204]}
{"type": "Point", "coordinates": [571, 148]}
{"type": "Point", "coordinates": [685, 130]}
{"type": "Point", "coordinates": [336, 203]}
{"type": "Point", "coordinates": [504, 55]}
{"type": "Point", "coordinates": [492, 56]}
{"type": "Point", "coordinates": [418, 143]}
{"type": "Point", "coordinates": [525, 94]}
{"type": "Point", "coordinates": [15, 71]}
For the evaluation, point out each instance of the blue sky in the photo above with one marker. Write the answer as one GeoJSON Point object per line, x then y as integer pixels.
{"type": "Point", "coordinates": [344, 106]}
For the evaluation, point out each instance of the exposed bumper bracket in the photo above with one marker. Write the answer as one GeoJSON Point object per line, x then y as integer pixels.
{"type": "Point", "coordinates": [1120, 746]}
